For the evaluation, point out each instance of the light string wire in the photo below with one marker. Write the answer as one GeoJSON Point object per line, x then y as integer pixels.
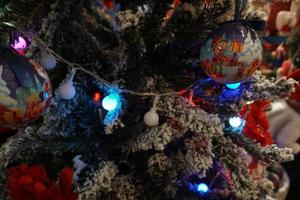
{"type": "Point", "coordinates": [79, 67]}
{"type": "Point", "coordinates": [107, 83]}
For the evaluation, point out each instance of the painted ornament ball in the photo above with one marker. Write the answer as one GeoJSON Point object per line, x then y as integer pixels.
{"type": "Point", "coordinates": [25, 89]}
{"type": "Point", "coordinates": [231, 53]}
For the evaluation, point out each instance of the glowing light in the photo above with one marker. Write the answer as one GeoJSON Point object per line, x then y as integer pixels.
{"type": "Point", "coordinates": [19, 44]}
{"type": "Point", "coordinates": [235, 122]}
{"type": "Point", "coordinates": [96, 96]}
{"type": "Point", "coordinates": [233, 86]}
{"type": "Point", "coordinates": [202, 188]}
{"type": "Point", "coordinates": [110, 102]}
{"type": "Point", "coordinates": [249, 102]}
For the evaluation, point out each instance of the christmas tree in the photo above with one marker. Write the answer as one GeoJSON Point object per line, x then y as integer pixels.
{"type": "Point", "coordinates": [136, 112]}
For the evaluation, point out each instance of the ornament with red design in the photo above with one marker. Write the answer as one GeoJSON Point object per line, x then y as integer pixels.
{"type": "Point", "coordinates": [231, 53]}
{"type": "Point", "coordinates": [25, 89]}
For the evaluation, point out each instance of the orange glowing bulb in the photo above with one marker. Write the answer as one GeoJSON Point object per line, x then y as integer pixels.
{"type": "Point", "coordinates": [96, 96]}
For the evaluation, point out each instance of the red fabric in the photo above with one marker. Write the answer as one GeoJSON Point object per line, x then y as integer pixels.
{"type": "Point", "coordinates": [268, 46]}
{"type": "Point", "coordinates": [257, 123]}
{"type": "Point", "coordinates": [176, 2]}
{"type": "Point", "coordinates": [274, 9]}
{"type": "Point", "coordinates": [65, 184]}
{"type": "Point", "coordinates": [286, 28]}
{"type": "Point", "coordinates": [298, 21]}
{"type": "Point", "coordinates": [32, 183]}
{"type": "Point", "coordinates": [295, 75]}
{"type": "Point", "coordinates": [3, 130]}
{"type": "Point", "coordinates": [108, 3]}
{"type": "Point", "coordinates": [285, 68]}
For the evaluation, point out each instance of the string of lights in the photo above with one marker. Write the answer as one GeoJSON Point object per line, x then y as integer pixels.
{"type": "Point", "coordinates": [105, 82]}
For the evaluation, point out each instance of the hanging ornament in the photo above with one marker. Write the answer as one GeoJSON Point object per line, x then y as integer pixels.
{"type": "Point", "coordinates": [25, 89]}
{"type": "Point", "coordinates": [47, 60]}
{"type": "Point", "coordinates": [67, 90]}
{"type": "Point", "coordinates": [231, 53]}
{"type": "Point", "coordinates": [151, 118]}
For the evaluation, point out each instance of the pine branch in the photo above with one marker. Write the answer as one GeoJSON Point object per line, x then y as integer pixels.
{"type": "Point", "coordinates": [230, 156]}
{"type": "Point", "coordinates": [271, 153]}
{"type": "Point", "coordinates": [263, 88]}
{"type": "Point", "coordinates": [22, 147]}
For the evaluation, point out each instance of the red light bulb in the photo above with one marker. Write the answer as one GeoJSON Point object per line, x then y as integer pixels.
{"type": "Point", "coordinates": [97, 96]}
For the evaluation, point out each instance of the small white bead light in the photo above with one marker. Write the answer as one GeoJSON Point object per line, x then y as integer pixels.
{"type": "Point", "coordinates": [151, 118]}
{"type": "Point", "coordinates": [110, 102]}
{"type": "Point", "coordinates": [67, 90]}
{"type": "Point", "coordinates": [47, 60]}
{"type": "Point", "coordinates": [202, 188]}
{"type": "Point", "coordinates": [235, 122]}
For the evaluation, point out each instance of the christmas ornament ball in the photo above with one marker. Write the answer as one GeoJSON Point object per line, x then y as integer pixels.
{"type": "Point", "coordinates": [25, 89]}
{"type": "Point", "coordinates": [231, 53]}
{"type": "Point", "coordinates": [151, 118]}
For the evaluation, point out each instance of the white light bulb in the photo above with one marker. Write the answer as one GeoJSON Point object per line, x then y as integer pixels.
{"type": "Point", "coordinates": [151, 118]}
{"type": "Point", "coordinates": [202, 188]}
{"type": "Point", "coordinates": [67, 90]}
{"type": "Point", "coordinates": [48, 61]}
{"type": "Point", "coordinates": [235, 122]}
{"type": "Point", "coordinates": [110, 102]}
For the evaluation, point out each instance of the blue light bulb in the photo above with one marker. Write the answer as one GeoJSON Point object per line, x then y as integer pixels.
{"type": "Point", "coordinates": [233, 86]}
{"type": "Point", "coordinates": [110, 102]}
{"type": "Point", "coordinates": [235, 122]}
{"type": "Point", "coordinates": [202, 188]}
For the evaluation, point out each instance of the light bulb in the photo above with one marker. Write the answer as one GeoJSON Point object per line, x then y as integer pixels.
{"type": "Point", "coordinates": [19, 44]}
{"type": "Point", "coordinates": [235, 122]}
{"type": "Point", "coordinates": [67, 90]}
{"type": "Point", "coordinates": [202, 188]}
{"type": "Point", "coordinates": [110, 102]}
{"type": "Point", "coordinates": [48, 61]}
{"type": "Point", "coordinates": [151, 118]}
{"type": "Point", "coordinates": [233, 86]}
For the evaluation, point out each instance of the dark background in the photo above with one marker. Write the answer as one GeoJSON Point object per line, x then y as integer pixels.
{"type": "Point", "coordinates": [293, 169]}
